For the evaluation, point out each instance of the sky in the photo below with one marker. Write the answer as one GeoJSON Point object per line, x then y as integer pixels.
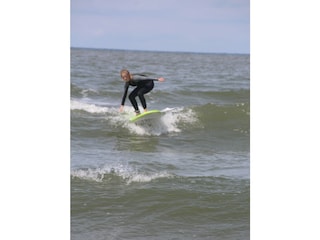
{"type": "Point", "coordinates": [218, 26]}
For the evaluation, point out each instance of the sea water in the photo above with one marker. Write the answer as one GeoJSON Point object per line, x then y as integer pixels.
{"type": "Point", "coordinates": [185, 175]}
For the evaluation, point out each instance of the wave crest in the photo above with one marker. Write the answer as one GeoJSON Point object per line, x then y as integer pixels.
{"type": "Point", "coordinates": [120, 174]}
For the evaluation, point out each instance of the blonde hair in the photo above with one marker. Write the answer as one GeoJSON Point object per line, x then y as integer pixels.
{"type": "Point", "coordinates": [124, 71]}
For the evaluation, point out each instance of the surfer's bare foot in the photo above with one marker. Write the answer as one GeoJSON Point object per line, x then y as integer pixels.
{"type": "Point", "coordinates": [145, 110]}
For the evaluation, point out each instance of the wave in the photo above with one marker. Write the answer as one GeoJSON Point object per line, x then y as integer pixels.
{"type": "Point", "coordinates": [172, 120]}
{"type": "Point", "coordinates": [117, 174]}
{"type": "Point", "coordinates": [89, 107]}
{"type": "Point", "coordinates": [124, 174]}
{"type": "Point", "coordinates": [77, 91]}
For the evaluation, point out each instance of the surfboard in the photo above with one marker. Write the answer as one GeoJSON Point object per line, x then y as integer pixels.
{"type": "Point", "coordinates": [152, 114]}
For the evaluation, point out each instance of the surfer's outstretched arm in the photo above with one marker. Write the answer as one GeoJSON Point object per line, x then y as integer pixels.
{"type": "Point", "coordinates": [138, 79]}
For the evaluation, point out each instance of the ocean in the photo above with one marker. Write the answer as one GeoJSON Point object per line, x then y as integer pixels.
{"type": "Point", "coordinates": [185, 175]}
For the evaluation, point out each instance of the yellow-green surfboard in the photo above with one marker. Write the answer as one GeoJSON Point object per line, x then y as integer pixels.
{"type": "Point", "coordinates": [146, 115]}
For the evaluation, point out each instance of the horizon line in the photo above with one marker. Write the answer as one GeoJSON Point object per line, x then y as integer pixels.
{"type": "Point", "coordinates": [163, 51]}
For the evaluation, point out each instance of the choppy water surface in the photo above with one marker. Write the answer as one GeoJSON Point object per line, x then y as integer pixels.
{"type": "Point", "coordinates": [183, 176]}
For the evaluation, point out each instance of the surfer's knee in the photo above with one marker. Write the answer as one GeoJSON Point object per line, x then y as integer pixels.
{"type": "Point", "coordinates": [132, 96]}
{"type": "Point", "coordinates": [140, 94]}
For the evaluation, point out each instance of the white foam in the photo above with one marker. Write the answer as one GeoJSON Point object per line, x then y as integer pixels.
{"type": "Point", "coordinates": [88, 174]}
{"type": "Point", "coordinates": [91, 108]}
{"type": "Point", "coordinates": [147, 177]}
{"type": "Point", "coordinates": [170, 122]}
{"type": "Point", "coordinates": [85, 92]}
{"type": "Point", "coordinates": [125, 172]}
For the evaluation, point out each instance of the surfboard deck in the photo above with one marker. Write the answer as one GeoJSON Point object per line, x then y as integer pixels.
{"type": "Point", "coordinates": [146, 115]}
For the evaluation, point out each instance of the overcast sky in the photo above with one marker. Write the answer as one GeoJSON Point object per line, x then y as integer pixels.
{"type": "Point", "coordinates": [221, 26]}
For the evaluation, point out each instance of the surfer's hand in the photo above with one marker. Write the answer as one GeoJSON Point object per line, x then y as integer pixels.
{"type": "Point", "coordinates": [161, 79]}
{"type": "Point", "coordinates": [121, 108]}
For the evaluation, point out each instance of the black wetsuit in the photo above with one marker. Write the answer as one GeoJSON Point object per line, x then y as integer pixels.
{"type": "Point", "coordinates": [143, 85]}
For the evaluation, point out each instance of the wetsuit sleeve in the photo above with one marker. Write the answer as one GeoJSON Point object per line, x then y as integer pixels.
{"type": "Point", "coordinates": [145, 79]}
{"type": "Point", "coordinates": [126, 87]}
{"type": "Point", "coordinates": [137, 77]}
{"type": "Point", "coordinates": [141, 79]}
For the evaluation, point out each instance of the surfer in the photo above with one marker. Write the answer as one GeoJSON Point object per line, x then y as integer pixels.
{"type": "Point", "coordinates": [143, 85]}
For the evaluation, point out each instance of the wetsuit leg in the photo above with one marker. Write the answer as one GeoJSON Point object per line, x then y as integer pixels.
{"type": "Point", "coordinates": [132, 98]}
{"type": "Point", "coordinates": [140, 91]}
{"type": "Point", "coordinates": [145, 89]}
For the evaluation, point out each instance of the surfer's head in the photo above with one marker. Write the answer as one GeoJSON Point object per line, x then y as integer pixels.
{"type": "Point", "coordinates": [125, 75]}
